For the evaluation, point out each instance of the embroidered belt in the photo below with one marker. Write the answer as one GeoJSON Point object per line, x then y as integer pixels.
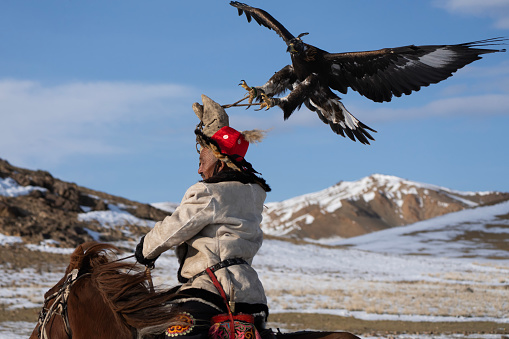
{"type": "Point", "coordinates": [220, 265]}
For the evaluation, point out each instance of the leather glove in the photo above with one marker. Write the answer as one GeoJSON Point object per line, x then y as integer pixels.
{"type": "Point", "coordinates": [211, 114]}
{"type": "Point", "coordinates": [139, 255]}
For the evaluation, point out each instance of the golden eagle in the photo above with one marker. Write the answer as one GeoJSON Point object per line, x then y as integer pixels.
{"type": "Point", "coordinates": [378, 75]}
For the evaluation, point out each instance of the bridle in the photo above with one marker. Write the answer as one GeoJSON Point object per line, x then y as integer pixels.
{"type": "Point", "coordinates": [59, 306]}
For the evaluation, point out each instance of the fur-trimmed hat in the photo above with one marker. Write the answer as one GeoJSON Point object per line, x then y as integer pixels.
{"type": "Point", "coordinates": [226, 143]}
{"type": "Point", "coordinates": [212, 116]}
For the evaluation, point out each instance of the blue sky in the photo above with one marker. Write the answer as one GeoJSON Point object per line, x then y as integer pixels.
{"type": "Point", "coordinates": [99, 93]}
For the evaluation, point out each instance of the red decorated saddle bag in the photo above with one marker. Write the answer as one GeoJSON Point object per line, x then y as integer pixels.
{"type": "Point", "coordinates": [244, 327]}
{"type": "Point", "coordinates": [229, 325]}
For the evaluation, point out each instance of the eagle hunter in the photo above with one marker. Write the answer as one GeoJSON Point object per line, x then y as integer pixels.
{"type": "Point", "coordinates": [378, 75]}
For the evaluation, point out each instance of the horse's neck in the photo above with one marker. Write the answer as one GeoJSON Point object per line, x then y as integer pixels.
{"type": "Point", "coordinates": [91, 317]}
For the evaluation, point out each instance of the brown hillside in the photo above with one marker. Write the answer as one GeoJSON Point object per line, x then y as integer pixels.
{"type": "Point", "coordinates": [52, 212]}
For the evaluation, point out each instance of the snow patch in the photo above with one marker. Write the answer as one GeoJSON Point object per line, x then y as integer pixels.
{"type": "Point", "coordinates": [115, 217]}
{"type": "Point", "coordinates": [7, 239]}
{"type": "Point", "coordinates": [166, 206]}
{"type": "Point", "coordinates": [368, 196]}
{"type": "Point", "coordinates": [10, 188]}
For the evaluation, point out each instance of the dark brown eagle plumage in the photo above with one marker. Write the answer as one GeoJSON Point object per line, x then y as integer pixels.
{"type": "Point", "coordinates": [378, 75]}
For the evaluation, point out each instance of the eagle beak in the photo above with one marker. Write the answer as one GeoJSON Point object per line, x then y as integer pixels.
{"type": "Point", "coordinates": [291, 49]}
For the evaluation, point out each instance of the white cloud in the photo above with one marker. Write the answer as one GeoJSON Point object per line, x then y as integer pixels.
{"type": "Point", "coordinates": [482, 91]}
{"type": "Point", "coordinates": [481, 105]}
{"type": "Point", "coordinates": [46, 124]}
{"type": "Point", "coordinates": [81, 102]}
{"type": "Point", "coordinates": [496, 9]}
{"type": "Point", "coordinates": [49, 123]}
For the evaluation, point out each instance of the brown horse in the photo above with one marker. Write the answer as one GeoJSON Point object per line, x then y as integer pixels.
{"type": "Point", "coordinates": [101, 298]}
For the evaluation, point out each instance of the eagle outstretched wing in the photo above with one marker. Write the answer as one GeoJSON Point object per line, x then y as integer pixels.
{"type": "Point", "coordinates": [380, 75]}
{"type": "Point", "coordinates": [263, 19]}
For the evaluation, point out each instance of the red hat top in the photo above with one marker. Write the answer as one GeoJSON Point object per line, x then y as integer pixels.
{"type": "Point", "coordinates": [231, 142]}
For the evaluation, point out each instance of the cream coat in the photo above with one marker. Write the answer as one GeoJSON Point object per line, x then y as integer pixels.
{"type": "Point", "coordinates": [214, 222]}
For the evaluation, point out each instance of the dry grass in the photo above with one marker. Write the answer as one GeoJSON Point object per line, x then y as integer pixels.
{"type": "Point", "coordinates": [381, 328]}
{"type": "Point", "coordinates": [401, 298]}
{"type": "Point", "coordinates": [17, 257]}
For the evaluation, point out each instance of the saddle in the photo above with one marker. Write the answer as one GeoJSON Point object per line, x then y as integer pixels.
{"type": "Point", "coordinates": [228, 325]}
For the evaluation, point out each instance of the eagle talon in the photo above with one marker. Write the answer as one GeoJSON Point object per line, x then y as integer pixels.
{"type": "Point", "coordinates": [253, 92]}
{"type": "Point", "coordinates": [244, 85]}
{"type": "Point", "coordinates": [266, 102]}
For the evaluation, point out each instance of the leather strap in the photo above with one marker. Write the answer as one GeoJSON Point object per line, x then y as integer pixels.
{"type": "Point", "coordinates": [220, 289]}
{"type": "Point", "coordinates": [220, 265]}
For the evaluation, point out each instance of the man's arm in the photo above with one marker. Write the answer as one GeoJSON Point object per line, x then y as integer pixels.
{"type": "Point", "coordinates": [194, 213]}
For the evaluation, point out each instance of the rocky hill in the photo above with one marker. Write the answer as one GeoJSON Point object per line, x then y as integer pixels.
{"type": "Point", "coordinates": [39, 208]}
{"type": "Point", "coordinates": [374, 203]}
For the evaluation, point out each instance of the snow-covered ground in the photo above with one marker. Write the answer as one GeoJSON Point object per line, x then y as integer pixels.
{"type": "Point", "coordinates": [446, 236]}
{"type": "Point", "coordinates": [429, 271]}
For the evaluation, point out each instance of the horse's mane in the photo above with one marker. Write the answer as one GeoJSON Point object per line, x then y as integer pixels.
{"type": "Point", "coordinates": [123, 285]}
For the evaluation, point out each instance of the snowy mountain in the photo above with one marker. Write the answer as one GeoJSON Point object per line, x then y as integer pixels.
{"type": "Point", "coordinates": [370, 204]}
{"type": "Point", "coordinates": [40, 208]}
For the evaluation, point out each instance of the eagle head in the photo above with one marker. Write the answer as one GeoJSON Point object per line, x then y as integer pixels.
{"type": "Point", "coordinates": [295, 45]}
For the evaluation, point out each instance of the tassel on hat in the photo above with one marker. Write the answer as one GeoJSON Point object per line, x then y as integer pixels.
{"type": "Point", "coordinates": [254, 136]}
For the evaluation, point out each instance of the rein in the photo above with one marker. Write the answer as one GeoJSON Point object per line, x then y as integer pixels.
{"type": "Point", "coordinates": [124, 258]}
